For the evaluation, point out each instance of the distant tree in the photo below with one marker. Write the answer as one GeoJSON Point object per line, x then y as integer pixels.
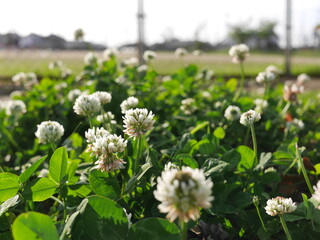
{"type": "Point", "coordinates": [267, 38]}
{"type": "Point", "coordinates": [79, 35]}
{"type": "Point", "coordinates": [240, 33]}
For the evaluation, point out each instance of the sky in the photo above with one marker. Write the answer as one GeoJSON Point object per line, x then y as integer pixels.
{"type": "Point", "coordinates": [114, 22]}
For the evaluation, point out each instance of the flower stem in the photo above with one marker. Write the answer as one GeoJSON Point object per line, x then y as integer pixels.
{"type": "Point", "coordinates": [241, 82]}
{"type": "Point", "coordinates": [266, 91]}
{"type": "Point", "coordinates": [261, 220]}
{"type": "Point", "coordinates": [254, 140]}
{"type": "Point", "coordinates": [52, 146]}
{"type": "Point", "coordinates": [184, 230]}
{"type": "Point", "coordinates": [90, 121]}
{"type": "Point", "coordinates": [304, 172]}
{"type": "Point", "coordinates": [136, 163]}
{"type": "Point", "coordinates": [285, 228]}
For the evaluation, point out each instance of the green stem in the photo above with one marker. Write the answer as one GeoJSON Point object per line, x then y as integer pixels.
{"type": "Point", "coordinates": [304, 172]}
{"type": "Point", "coordinates": [184, 230]}
{"type": "Point", "coordinates": [241, 82]}
{"type": "Point", "coordinates": [52, 146]}
{"type": "Point", "coordinates": [1, 170]}
{"type": "Point", "coordinates": [285, 109]}
{"type": "Point", "coordinates": [266, 91]}
{"type": "Point", "coordinates": [90, 121]}
{"type": "Point", "coordinates": [254, 140]}
{"type": "Point", "coordinates": [261, 220]}
{"type": "Point", "coordinates": [285, 228]}
{"type": "Point", "coordinates": [136, 163]}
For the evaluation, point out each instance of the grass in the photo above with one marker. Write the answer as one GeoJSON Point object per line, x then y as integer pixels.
{"type": "Point", "coordinates": [14, 61]}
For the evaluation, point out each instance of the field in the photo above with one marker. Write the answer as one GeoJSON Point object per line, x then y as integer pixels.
{"type": "Point", "coordinates": [14, 61]}
{"type": "Point", "coordinates": [123, 153]}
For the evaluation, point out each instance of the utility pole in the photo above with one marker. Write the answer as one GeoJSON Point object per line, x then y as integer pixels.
{"type": "Point", "coordinates": [288, 38]}
{"type": "Point", "coordinates": [141, 43]}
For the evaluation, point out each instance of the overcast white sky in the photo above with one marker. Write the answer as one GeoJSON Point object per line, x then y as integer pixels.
{"type": "Point", "coordinates": [114, 22]}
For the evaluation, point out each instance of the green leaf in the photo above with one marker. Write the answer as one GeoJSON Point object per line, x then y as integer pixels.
{"type": "Point", "coordinates": [9, 187]}
{"type": "Point", "coordinates": [30, 170]}
{"type": "Point", "coordinates": [40, 189]}
{"type": "Point", "coordinates": [219, 133]}
{"type": "Point", "coordinates": [34, 226]}
{"type": "Point", "coordinates": [247, 158]}
{"type": "Point", "coordinates": [187, 160]}
{"type": "Point", "coordinates": [104, 184]}
{"type": "Point", "coordinates": [7, 175]}
{"type": "Point", "coordinates": [58, 164]}
{"type": "Point", "coordinates": [232, 157]}
{"type": "Point", "coordinates": [213, 167]}
{"type": "Point", "coordinates": [232, 84]}
{"type": "Point", "coordinates": [199, 126]}
{"type": "Point", "coordinates": [264, 159]}
{"type": "Point", "coordinates": [298, 214]}
{"type": "Point", "coordinates": [100, 218]}
{"type": "Point", "coordinates": [8, 204]}
{"type": "Point", "coordinates": [136, 178]}
{"type": "Point", "coordinates": [155, 229]}
{"type": "Point", "coordinates": [68, 225]}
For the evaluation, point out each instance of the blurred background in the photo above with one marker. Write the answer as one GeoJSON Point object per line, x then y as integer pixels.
{"type": "Point", "coordinates": [284, 33]}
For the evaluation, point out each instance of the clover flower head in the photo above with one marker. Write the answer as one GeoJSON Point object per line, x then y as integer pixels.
{"type": "Point", "coordinates": [273, 69]}
{"type": "Point", "coordinates": [249, 118]}
{"type": "Point", "coordinates": [280, 205]}
{"type": "Point", "coordinates": [181, 52]}
{"type": "Point", "coordinates": [90, 58]}
{"type": "Point", "coordinates": [104, 97]}
{"type": "Point", "coordinates": [56, 65]}
{"type": "Point", "coordinates": [260, 104]}
{"type": "Point", "coordinates": [138, 121]}
{"type": "Point", "coordinates": [166, 78]}
{"type": "Point", "coordinates": [302, 79]}
{"type": "Point", "coordinates": [133, 61]}
{"type": "Point", "coordinates": [130, 102]}
{"type": "Point", "coordinates": [188, 106]}
{"type": "Point", "coordinates": [265, 77]}
{"type": "Point", "coordinates": [28, 80]}
{"type": "Point", "coordinates": [142, 68]}
{"type": "Point", "coordinates": [296, 123]}
{"type": "Point", "coordinates": [74, 94]}
{"type": "Point", "coordinates": [86, 105]}
{"type": "Point", "coordinates": [93, 133]}
{"type": "Point", "coordinates": [60, 86]}
{"type": "Point", "coordinates": [291, 90]}
{"type": "Point", "coordinates": [232, 113]}
{"type": "Point", "coordinates": [239, 52]}
{"type": "Point", "coordinates": [149, 55]}
{"type": "Point", "coordinates": [183, 192]}
{"type": "Point", "coordinates": [270, 169]}
{"type": "Point", "coordinates": [109, 53]}
{"type": "Point", "coordinates": [49, 131]}
{"type": "Point", "coordinates": [15, 108]}
{"type": "Point", "coordinates": [120, 80]}
{"type": "Point", "coordinates": [108, 144]}
{"type": "Point", "coordinates": [16, 94]}
{"type": "Point", "coordinates": [197, 52]}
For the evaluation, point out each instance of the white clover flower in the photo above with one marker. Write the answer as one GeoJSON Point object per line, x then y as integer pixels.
{"type": "Point", "coordinates": [90, 58]}
{"type": "Point", "coordinates": [169, 166]}
{"type": "Point", "coordinates": [183, 192]}
{"type": "Point", "coordinates": [93, 133]}
{"type": "Point", "coordinates": [56, 65]}
{"type": "Point", "coordinates": [265, 77]}
{"type": "Point", "coordinates": [133, 61]}
{"type": "Point", "coordinates": [316, 194]}
{"type": "Point", "coordinates": [276, 71]}
{"type": "Point", "coordinates": [86, 105]}
{"type": "Point", "coordinates": [28, 80]}
{"type": "Point", "coordinates": [137, 122]}
{"type": "Point", "coordinates": [197, 52]}
{"type": "Point", "coordinates": [74, 94]}
{"type": "Point", "coordinates": [60, 86]}
{"type": "Point", "coordinates": [232, 113]}
{"type": "Point", "coordinates": [15, 108]}
{"type": "Point", "coordinates": [239, 52]}
{"type": "Point", "coordinates": [260, 104]}
{"type": "Point", "coordinates": [130, 102]}
{"type": "Point", "coordinates": [149, 55]}
{"type": "Point", "coordinates": [66, 73]}
{"type": "Point", "coordinates": [270, 169]}
{"type": "Point", "coordinates": [142, 68]}
{"type": "Point", "coordinates": [109, 53]}
{"type": "Point", "coordinates": [49, 131]}
{"type": "Point", "coordinates": [188, 106]}
{"type": "Point", "coordinates": [16, 94]}
{"type": "Point", "coordinates": [166, 78]}
{"type": "Point", "coordinates": [249, 118]}
{"type": "Point", "coordinates": [206, 95]}
{"type": "Point", "coordinates": [181, 52]}
{"type": "Point", "coordinates": [291, 90]}
{"type": "Point", "coordinates": [302, 79]}
{"type": "Point", "coordinates": [104, 97]}
{"type": "Point", "coordinates": [298, 124]}
{"type": "Point", "coordinates": [120, 80]}
{"type": "Point", "coordinates": [280, 205]}
{"type": "Point", "coordinates": [106, 117]}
